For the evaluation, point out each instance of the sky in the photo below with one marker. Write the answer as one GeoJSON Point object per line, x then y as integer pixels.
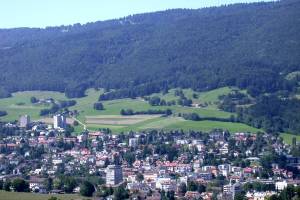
{"type": "Point", "coordinates": [43, 13]}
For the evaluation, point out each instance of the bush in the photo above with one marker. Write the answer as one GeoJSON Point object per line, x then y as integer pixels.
{"type": "Point", "coordinates": [146, 112]}
{"type": "Point", "coordinates": [87, 189]}
{"type": "Point", "coordinates": [33, 100]}
{"type": "Point", "coordinates": [98, 106]}
{"type": "Point", "coordinates": [20, 185]}
{"type": "Point", "coordinates": [75, 123]}
{"type": "Point", "coordinates": [6, 185]}
{"type": "Point", "coordinates": [2, 113]}
{"type": "Point", "coordinates": [191, 116]}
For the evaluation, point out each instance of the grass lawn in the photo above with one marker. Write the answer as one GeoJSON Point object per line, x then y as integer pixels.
{"type": "Point", "coordinates": [20, 104]}
{"type": "Point", "coordinates": [209, 97]}
{"type": "Point", "coordinates": [288, 138]}
{"type": "Point", "coordinates": [31, 196]}
{"type": "Point", "coordinates": [177, 123]}
{"type": "Point", "coordinates": [209, 125]}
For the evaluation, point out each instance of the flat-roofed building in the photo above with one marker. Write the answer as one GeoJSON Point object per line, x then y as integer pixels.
{"type": "Point", "coordinates": [114, 174]}
{"type": "Point", "coordinates": [24, 121]}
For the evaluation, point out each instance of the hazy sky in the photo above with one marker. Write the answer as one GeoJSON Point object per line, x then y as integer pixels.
{"type": "Point", "coordinates": [41, 13]}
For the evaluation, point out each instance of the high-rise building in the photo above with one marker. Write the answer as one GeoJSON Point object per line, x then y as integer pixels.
{"type": "Point", "coordinates": [24, 121]}
{"type": "Point", "coordinates": [59, 121]}
{"type": "Point", "coordinates": [114, 174]}
{"type": "Point", "coordinates": [133, 142]}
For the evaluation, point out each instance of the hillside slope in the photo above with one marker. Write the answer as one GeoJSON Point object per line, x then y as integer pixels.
{"type": "Point", "coordinates": [251, 46]}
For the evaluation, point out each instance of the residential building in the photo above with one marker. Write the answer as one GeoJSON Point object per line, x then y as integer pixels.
{"type": "Point", "coordinates": [59, 121]}
{"type": "Point", "coordinates": [114, 174]}
{"type": "Point", "coordinates": [133, 142]}
{"type": "Point", "coordinates": [24, 121]}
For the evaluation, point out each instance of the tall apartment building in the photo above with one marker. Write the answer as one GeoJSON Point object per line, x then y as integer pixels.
{"type": "Point", "coordinates": [59, 121]}
{"type": "Point", "coordinates": [114, 174]}
{"type": "Point", "coordinates": [24, 121]}
{"type": "Point", "coordinates": [133, 142]}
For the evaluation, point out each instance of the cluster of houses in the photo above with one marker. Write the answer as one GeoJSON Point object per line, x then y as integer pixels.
{"type": "Point", "coordinates": [48, 153]}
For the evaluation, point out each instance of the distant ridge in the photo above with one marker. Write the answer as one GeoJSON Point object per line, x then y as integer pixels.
{"type": "Point", "coordinates": [252, 46]}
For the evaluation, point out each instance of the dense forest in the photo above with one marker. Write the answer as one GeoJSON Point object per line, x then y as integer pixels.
{"type": "Point", "coordinates": [273, 114]}
{"type": "Point", "coordinates": [251, 46]}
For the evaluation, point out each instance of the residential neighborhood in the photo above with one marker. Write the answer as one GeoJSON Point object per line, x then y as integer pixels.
{"type": "Point", "coordinates": [146, 165]}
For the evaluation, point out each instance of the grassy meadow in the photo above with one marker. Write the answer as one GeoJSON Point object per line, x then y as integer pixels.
{"type": "Point", "coordinates": [288, 138]}
{"type": "Point", "coordinates": [110, 117]}
{"type": "Point", "coordinates": [32, 196]}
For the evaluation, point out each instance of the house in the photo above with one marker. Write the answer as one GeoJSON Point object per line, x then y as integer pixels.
{"type": "Point", "coordinates": [37, 184]}
{"type": "Point", "coordinates": [165, 183]}
{"type": "Point", "coordinates": [259, 195]}
{"type": "Point", "coordinates": [280, 185]}
{"type": "Point", "coordinates": [192, 195]}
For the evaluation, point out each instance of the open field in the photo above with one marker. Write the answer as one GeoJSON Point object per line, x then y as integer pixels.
{"type": "Point", "coordinates": [177, 123]}
{"type": "Point", "coordinates": [288, 138]}
{"type": "Point", "coordinates": [49, 120]}
{"type": "Point", "coordinates": [110, 117]}
{"type": "Point", "coordinates": [31, 196]}
{"type": "Point", "coordinates": [118, 120]}
{"type": "Point", "coordinates": [209, 97]}
{"type": "Point", "coordinates": [209, 125]}
{"type": "Point", "coordinates": [19, 104]}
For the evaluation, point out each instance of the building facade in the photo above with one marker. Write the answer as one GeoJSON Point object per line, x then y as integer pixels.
{"type": "Point", "coordinates": [24, 121]}
{"type": "Point", "coordinates": [59, 121]}
{"type": "Point", "coordinates": [114, 174]}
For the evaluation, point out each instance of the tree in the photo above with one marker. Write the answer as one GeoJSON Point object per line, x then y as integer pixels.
{"type": "Point", "coordinates": [69, 184]}
{"type": "Point", "coordinates": [2, 113]}
{"type": "Point", "coordinates": [20, 185]}
{"type": "Point", "coordinates": [7, 185]}
{"type": "Point", "coordinates": [33, 100]}
{"type": "Point", "coordinates": [294, 141]}
{"type": "Point", "coordinates": [49, 184]}
{"type": "Point", "coordinates": [192, 186]}
{"type": "Point", "coordinates": [273, 197]}
{"type": "Point", "coordinates": [182, 189]}
{"type": "Point", "coordinates": [120, 193]}
{"type": "Point", "coordinates": [287, 193]}
{"type": "Point", "coordinates": [75, 123]}
{"type": "Point", "coordinates": [1, 184]}
{"type": "Point", "coordinates": [171, 195]}
{"type": "Point", "coordinates": [201, 188]}
{"type": "Point", "coordinates": [240, 196]}
{"type": "Point", "coordinates": [53, 198]}
{"type": "Point", "coordinates": [87, 189]}
{"type": "Point", "coordinates": [98, 106]}
{"type": "Point", "coordinates": [105, 191]}
{"type": "Point", "coordinates": [154, 101]}
{"type": "Point", "coordinates": [139, 177]}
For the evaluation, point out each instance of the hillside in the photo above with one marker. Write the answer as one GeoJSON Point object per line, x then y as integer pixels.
{"type": "Point", "coordinates": [110, 117]}
{"type": "Point", "coordinates": [252, 46]}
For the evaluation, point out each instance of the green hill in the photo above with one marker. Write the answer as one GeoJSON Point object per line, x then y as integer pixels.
{"type": "Point", "coordinates": [251, 46]}
{"type": "Point", "coordinates": [110, 117]}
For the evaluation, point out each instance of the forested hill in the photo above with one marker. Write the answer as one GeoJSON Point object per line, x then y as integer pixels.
{"type": "Point", "coordinates": [252, 46]}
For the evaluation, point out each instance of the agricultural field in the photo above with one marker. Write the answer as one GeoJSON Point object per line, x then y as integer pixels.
{"type": "Point", "coordinates": [288, 138]}
{"type": "Point", "coordinates": [209, 97]}
{"type": "Point", "coordinates": [110, 117]}
{"type": "Point", "coordinates": [177, 123]}
{"type": "Point", "coordinates": [31, 196]}
{"type": "Point", "coordinates": [119, 120]}
{"type": "Point", "coordinates": [19, 104]}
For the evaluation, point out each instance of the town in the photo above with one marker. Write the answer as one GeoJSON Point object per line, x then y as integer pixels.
{"type": "Point", "coordinates": [44, 158]}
